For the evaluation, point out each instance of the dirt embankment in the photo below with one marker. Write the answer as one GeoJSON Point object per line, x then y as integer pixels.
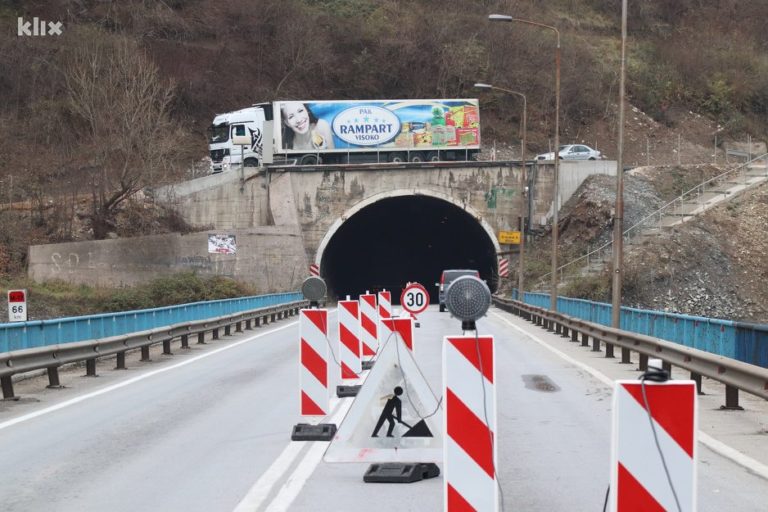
{"type": "Point", "coordinates": [714, 266]}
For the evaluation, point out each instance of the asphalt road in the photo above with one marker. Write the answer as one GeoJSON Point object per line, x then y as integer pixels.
{"type": "Point", "coordinates": [208, 429]}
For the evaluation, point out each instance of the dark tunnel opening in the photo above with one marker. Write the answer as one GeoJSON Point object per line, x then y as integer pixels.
{"type": "Point", "coordinates": [405, 239]}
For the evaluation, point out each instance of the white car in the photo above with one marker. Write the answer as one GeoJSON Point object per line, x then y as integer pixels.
{"type": "Point", "coordinates": [573, 152]}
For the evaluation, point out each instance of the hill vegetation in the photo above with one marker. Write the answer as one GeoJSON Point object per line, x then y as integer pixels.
{"type": "Point", "coordinates": [122, 99]}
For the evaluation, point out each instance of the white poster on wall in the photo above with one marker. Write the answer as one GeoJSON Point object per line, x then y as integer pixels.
{"type": "Point", "coordinates": [221, 244]}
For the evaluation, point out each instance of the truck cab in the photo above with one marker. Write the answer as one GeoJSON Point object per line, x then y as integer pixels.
{"type": "Point", "coordinates": [224, 154]}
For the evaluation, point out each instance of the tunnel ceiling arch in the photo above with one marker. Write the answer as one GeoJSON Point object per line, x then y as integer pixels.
{"type": "Point", "coordinates": [389, 240]}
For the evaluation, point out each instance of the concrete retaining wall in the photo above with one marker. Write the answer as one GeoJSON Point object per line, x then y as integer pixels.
{"type": "Point", "coordinates": [270, 258]}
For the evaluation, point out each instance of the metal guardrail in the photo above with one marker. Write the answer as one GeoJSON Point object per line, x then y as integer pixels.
{"type": "Point", "coordinates": [742, 341]}
{"type": "Point", "coordinates": [51, 357]}
{"type": "Point", "coordinates": [39, 333]}
{"type": "Point", "coordinates": [735, 375]}
{"type": "Point", "coordinates": [652, 220]}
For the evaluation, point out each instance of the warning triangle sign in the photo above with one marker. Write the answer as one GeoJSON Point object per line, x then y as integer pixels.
{"type": "Point", "coordinates": [395, 416]}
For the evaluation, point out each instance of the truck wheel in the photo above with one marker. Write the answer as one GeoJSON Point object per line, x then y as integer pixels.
{"type": "Point", "coordinates": [397, 157]}
{"type": "Point", "coordinates": [251, 162]}
{"type": "Point", "coordinates": [417, 157]}
{"type": "Point", "coordinates": [433, 156]}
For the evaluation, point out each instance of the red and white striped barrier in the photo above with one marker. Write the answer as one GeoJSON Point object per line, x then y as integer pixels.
{"type": "Point", "coordinates": [349, 339]}
{"type": "Point", "coordinates": [369, 320]}
{"type": "Point", "coordinates": [314, 269]}
{"type": "Point", "coordinates": [638, 479]}
{"type": "Point", "coordinates": [313, 377]}
{"type": "Point", "coordinates": [385, 304]}
{"type": "Point", "coordinates": [469, 424]}
{"type": "Point", "coordinates": [401, 326]}
{"type": "Point", "coordinates": [503, 267]}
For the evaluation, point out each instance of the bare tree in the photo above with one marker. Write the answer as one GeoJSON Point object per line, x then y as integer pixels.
{"type": "Point", "coordinates": [121, 110]}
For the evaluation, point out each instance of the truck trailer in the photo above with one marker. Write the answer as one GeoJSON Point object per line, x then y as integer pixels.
{"type": "Point", "coordinates": [350, 131]}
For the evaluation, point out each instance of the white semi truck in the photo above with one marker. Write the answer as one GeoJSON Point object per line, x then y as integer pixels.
{"type": "Point", "coordinates": [333, 132]}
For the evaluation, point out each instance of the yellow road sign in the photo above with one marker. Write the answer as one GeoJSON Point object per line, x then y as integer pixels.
{"type": "Point", "coordinates": [509, 237]}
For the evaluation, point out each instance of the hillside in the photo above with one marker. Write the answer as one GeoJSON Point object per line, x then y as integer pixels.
{"type": "Point", "coordinates": [122, 99]}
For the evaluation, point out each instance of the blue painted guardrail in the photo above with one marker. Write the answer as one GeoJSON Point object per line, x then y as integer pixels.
{"type": "Point", "coordinates": [738, 340]}
{"type": "Point", "coordinates": [39, 333]}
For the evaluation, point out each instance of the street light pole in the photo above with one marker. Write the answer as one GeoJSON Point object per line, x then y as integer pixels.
{"type": "Point", "coordinates": [523, 181]}
{"type": "Point", "coordinates": [618, 219]}
{"type": "Point", "coordinates": [556, 187]}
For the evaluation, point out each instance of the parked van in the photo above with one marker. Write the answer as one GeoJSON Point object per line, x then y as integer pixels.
{"type": "Point", "coordinates": [447, 277]}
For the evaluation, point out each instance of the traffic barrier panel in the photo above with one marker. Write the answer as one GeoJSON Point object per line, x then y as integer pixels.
{"type": "Point", "coordinates": [469, 391]}
{"type": "Point", "coordinates": [645, 450]}
{"type": "Point", "coordinates": [403, 326]}
{"type": "Point", "coordinates": [313, 377]}
{"type": "Point", "coordinates": [349, 339]}
{"type": "Point", "coordinates": [369, 320]}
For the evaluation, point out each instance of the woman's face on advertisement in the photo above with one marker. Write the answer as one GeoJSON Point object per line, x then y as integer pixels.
{"type": "Point", "coordinates": [295, 116]}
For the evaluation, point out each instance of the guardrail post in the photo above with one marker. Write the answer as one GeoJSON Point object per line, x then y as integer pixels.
{"type": "Point", "coordinates": [90, 367]}
{"type": "Point", "coordinates": [227, 331]}
{"type": "Point", "coordinates": [274, 317]}
{"type": "Point", "coordinates": [731, 399]}
{"type": "Point", "coordinates": [609, 350]}
{"type": "Point", "coordinates": [239, 326]}
{"type": "Point", "coordinates": [145, 353]}
{"type": "Point", "coordinates": [201, 338]}
{"type": "Point", "coordinates": [247, 324]}
{"type": "Point", "coordinates": [120, 361]}
{"type": "Point", "coordinates": [257, 322]}
{"type": "Point", "coordinates": [53, 377]}
{"type": "Point", "coordinates": [667, 367]}
{"type": "Point", "coordinates": [584, 339]}
{"type": "Point", "coordinates": [564, 331]}
{"type": "Point", "coordinates": [7, 385]}
{"type": "Point", "coordinates": [626, 356]}
{"type": "Point", "coordinates": [215, 333]}
{"type": "Point", "coordinates": [643, 362]}
{"type": "Point", "coordinates": [574, 335]}
{"type": "Point", "coordinates": [185, 341]}
{"type": "Point", "coordinates": [696, 377]}
{"type": "Point", "coordinates": [595, 344]}
{"type": "Point", "coordinates": [167, 347]}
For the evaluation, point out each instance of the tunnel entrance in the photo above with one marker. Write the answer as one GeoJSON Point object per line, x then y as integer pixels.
{"type": "Point", "coordinates": [407, 238]}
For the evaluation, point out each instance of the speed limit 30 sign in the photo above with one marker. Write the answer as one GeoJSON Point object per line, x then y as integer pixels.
{"type": "Point", "coordinates": [414, 298]}
{"type": "Point", "coordinates": [17, 305]}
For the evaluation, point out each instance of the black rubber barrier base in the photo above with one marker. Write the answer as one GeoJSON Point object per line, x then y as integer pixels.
{"type": "Point", "coordinates": [367, 365]}
{"type": "Point", "coordinates": [400, 473]}
{"type": "Point", "coordinates": [307, 432]}
{"type": "Point", "coordinates": [344, 391]}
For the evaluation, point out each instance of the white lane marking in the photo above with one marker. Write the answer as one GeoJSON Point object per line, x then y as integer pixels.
{"type": "Point", "coordinates": [596, 374]}
{"type": "Point", "coordinates": [736, 456]}
{"type": "Point", "coordinates": [259, 492]}
{"type": "Point", "coordinates": [713, 444]}
{"type": "Point", "coordinates": [133, 380]}
{"type": "Point", "coordinates": [296, 480]}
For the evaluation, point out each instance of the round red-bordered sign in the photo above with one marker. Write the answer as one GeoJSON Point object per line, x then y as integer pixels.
{"type": "Point", "coordinates": [414, 299]}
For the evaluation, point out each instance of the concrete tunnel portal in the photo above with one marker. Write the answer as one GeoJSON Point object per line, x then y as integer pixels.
{"type": "Point", "coordinates": [407, 238]}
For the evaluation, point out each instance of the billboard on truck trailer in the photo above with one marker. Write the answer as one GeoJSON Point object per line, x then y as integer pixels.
{"type": "Point", "coordinates": [364, 126]}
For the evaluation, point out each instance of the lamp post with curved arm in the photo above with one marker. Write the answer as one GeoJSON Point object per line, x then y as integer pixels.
{"type": "Point", "coordinates": [555, 201]}
{"type": "Point", "coordinates": [523, 180]}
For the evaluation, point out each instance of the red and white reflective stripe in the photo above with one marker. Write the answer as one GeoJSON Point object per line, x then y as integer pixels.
{"type": "Point", "coordinates": [385, 304]}
{"type": "Point", "coordinates": [349, 339]}
{"type": "Point", "coordinates": [469, 424]}
{"type": "Point", "coordinates": [369, 319]}
{"type": "Point", "coordinates": [314, 269]}
{"type": "Point", "coordinates": [401, 326]}
{"type": "Point", "coordinates": [313, 377]}
{"type": "Point", "coordinates": [638, 479]}
{"type": "Point", "coordinates": [503, 267]}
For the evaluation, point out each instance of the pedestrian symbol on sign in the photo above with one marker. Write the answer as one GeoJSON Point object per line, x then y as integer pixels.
{"type": "Point", "coordinates": [392, 413]}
